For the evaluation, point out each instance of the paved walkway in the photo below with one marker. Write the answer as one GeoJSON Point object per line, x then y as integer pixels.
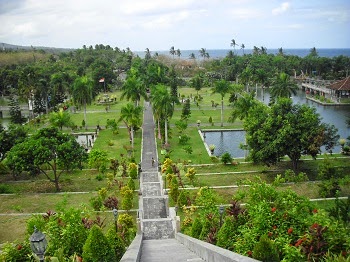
{"type": "Point", "coordinates": [157, 223]}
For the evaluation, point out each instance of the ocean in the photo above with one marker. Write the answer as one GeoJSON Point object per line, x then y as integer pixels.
{"type": "Point", "coordinates": [220, 53]}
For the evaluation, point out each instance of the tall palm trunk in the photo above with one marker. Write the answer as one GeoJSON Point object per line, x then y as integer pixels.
{"type": "Point", "coordinates": [222, 111]}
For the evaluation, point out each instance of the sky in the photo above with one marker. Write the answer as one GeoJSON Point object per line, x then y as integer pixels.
{"type": "Point", "coordinates": [184, 24]}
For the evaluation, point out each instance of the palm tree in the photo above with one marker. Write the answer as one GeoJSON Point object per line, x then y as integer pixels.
{"type": "Point", "coordinates": [242, 105]}
{"type": "Point", "coordinates": [60, 119]}
{"type": "Point", "coordinates": [233, 44]}
{"type": "Point", "coordinates": [163, 107]}
{"type": "Point", "coordinates": [202, 52]}
{"type": "Point", "coordinates": [280, 51]}
{"type": "Point", "coordinates": [242, 47]}
{"type": "Point", "coordinates": [172, 51]}
{"type": "Point", "coordinates": [147, 54]}
{"type": "Point", "coordinates": [133, 90]}
{"type": "Point", "coordinates": [192, 56]}
{"type": "Point", "coordinates": [282, 86]}
{"type": "Point", "coordinates": [131, 116]}
{"type": "Point", "coordinates": [82, 93]}
{"type": "Point", "coordinates": [222, 87]}
{"type": "Point", "coordinates": [178, 53]}
{"type": "Point", "coordinates": [197, 82]}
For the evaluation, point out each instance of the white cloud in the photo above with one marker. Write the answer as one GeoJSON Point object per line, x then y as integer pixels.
{"type": "Point", "coordinates": [284, 7]}
{"type": "Point", "coordinates": [245, 13]}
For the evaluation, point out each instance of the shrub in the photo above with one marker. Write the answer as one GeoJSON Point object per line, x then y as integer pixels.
{"type": "Point", "coordinates": [183, 198]}
{"type": "Point", "coordinates": [6, 189]}
{"type": "Point", "coordinates": [265, 250]}
{"type": "Point", "coordinates": [131, 184]}
{"type": "Point", "coordinates": [132, 170]}
{"type": "Point", "coordinates": [226, 158]}
{"type": "Point", "coordinates": [184, 139]}
{"type": "Point", "coordinates": [116, 243]}
{"type": "Point", "coordinates": [128, 196]}
{"type": "Point", "coordinates": [16, 252]}
{"type": "Point", "coordinates": [196, 228]}
{"type": "Point", "coordinates": [111, 202]}
{"type": "Point", "coordinates": [97, 247]}
{"type": "Point", "coordinates": [96, 203]}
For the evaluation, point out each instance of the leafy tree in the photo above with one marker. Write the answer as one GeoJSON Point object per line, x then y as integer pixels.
{"type": "Point", "coordinates": [60, 119]}
{"type": "Point", "coordinates": [13, 135]}
{"type": "Point", "coordinates": [197, 82]}
{"type": "Point", "coordinates": [15, 111]}
{"type": "Point", "coordinates": [82, 92]}
{"type": "Point", "coordinates": [47, 148]}
{"type": "Point", "coordinates": [97, 247]}
{"type": "Point", "coordinates": [283, 129]}
{"type": "Point", "coordinates": [127, 200]}
{"type": "Point", "coordinates": [186, 110]}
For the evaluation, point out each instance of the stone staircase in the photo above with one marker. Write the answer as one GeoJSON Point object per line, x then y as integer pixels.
{"type": "Point", "coordinates": [153, 204]}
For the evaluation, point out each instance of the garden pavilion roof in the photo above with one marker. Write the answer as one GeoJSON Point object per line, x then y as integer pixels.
{"type": "Point", "coordinates": [341, 85]}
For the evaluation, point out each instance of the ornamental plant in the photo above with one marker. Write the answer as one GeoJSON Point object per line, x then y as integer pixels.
{"type": "Point", "coordinates": [132, 169]}
{"type": "Point", "coordinates": [97, 247]}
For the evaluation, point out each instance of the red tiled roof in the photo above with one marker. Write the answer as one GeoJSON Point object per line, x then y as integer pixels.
{"type": "Point", "coordinates": [341, 85]}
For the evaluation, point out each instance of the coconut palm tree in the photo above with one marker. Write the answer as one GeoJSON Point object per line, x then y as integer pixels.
{"type": "Point", "coordinates": [133, 89]}
{"type": "Point", "coordinates": [242, 47]}
{"type": "Point", "coordinates": [192, 56]}
{"type": "Point", "coordinates": [203, 52]}
{"type": "Point", "coordinates": [242, 105]}
{"type": "Point", "coordinates": [147, 54]}
{"type": "Point", "coordinates": [233, 44]}
{"type": "Point", "coordinates": [131, 116]}
{"type": "Point", "coordinates": [163, 107]}
{"type": "Point", "coordinates": [222, 87]}
{"type": "Point", "coordinates": [178, 53]}
{"type": "Point", "coordinates": [82, 93]}
{"type": "Point", "coordinates": [172, 51]}
{"type": "Point", "coordinates": [282, 86]}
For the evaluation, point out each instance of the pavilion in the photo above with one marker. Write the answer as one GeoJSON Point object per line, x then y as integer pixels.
{"type": "Point", "coordinates": [341, 89]}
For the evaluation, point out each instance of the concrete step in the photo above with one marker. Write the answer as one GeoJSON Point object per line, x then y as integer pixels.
{"type": "Point", "coordinates": [150, 189]}
{"type": "Point", "coordinates": [161, 228]}
{"type": "Point", "coordinates": [155, 207]}
{"type": "Point", "coordinates": [150, 177]}
{"type": "Point", "coordinates": [166, 250]}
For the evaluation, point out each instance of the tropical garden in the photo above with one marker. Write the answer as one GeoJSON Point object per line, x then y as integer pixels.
{"type": "Point", "coordinates": [258, 206]}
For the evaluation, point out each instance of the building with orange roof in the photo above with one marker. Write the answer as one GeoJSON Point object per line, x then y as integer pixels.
{"type": "Point", "coordinates": [341, 89]}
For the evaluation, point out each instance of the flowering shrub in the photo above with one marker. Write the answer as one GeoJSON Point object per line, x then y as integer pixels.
{"type": "Point", "coordinates": [289, 223]}
{"type": "Point", "coordinates": [132, 168]}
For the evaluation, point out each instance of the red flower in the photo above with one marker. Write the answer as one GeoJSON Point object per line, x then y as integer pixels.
{"type": "Point", "coordinates": [290, 231]}
{"type": "Point", "coordinates": [274, 227]}
{"type": "Point", "coordinates": [315, 211]}
{"type": "Point", "coordinates": [269, 234]}
{"type": "Point", "coordinates": [298, 243]}
{"type": "Point", "coordinates": [19, 247]}
{"type": "Point", "coordinates": [314, 226]}
{"type": "Point", "coordinates": [250, 253]}
{"type": "Point", "coordinates": [273, 209]}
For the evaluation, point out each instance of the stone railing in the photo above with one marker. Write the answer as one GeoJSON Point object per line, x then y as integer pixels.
{"type": "Point", "coordinates": [209, 252]}
{"type": "Point", "coordinates": [133, 253]}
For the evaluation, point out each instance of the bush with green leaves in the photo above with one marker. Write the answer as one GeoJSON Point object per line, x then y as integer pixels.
{"type": "Point", "coordinates": [131, 184]}
{"type": "Point", "coordinates": [196, 228]}
{"type": "Point", "coordinates": [226, 158]}
{"type": "Point", "coordinates": [184, 139]}
{"type": "Point", "coordinates": [265, 250]}
{"type": "Point", "coordinates": [97, 247]}
{"type": "Point", "coordinates": [116, 243]}
{"type": "Point", "coordinates": [98, 158]}
{"type": "Point", "coordinates": [128, 196]}
{"type": "Point", "coordinates": [132, 169]}
{"type": "Point", "coordinates": [298, 230]}
{"type": "Point", "coordinates": [16, 252]}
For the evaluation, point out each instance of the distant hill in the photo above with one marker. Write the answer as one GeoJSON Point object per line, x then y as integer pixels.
{"type": "Point", "coordinates": [53, 50]}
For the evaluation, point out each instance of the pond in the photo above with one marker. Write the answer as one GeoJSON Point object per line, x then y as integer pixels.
{"type": "Point", "coordinates": [230, 140]}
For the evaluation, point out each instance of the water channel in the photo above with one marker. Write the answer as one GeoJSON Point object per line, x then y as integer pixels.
{"type": "Point", "coordinates": [229, 141]}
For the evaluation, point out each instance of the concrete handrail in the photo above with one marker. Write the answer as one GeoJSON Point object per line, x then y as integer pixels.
{"type": "Point", "coordinates": [133, 253]}
{"type": "Point", "coordinates": [209, 252]}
